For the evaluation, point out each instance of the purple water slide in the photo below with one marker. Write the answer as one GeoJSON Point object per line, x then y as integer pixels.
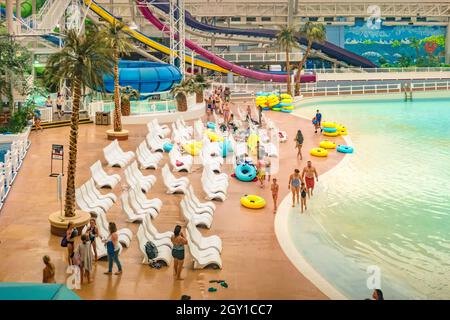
{"type": "Point", "coordinates": [258, 75]}
{"type": "Point", "coordinates": [326, 47]}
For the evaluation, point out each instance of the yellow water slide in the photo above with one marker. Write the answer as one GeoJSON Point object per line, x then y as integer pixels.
{"type": "Point", "coordinates": [104, 14]}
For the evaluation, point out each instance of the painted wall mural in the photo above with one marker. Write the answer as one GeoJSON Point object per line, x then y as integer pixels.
{"type": "Point", "coordinates": [399, 46]}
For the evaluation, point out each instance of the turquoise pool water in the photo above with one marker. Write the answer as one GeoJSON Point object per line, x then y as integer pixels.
{"type": "Point", "coordinates": [388, 204]}
{"type": "Point", "coordinates": [139, 107]}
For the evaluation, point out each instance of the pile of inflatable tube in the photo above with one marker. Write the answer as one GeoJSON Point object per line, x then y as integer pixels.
{"type": "Point", "coordinates": [253, 202]}
{"type": "Point", "coordinates": [226, 148]}
{"type": "Point", "coordinates": [331, 129]}
{"type": "Point", "coordinates": [274, 101]}
{"type": "Point", "coordinates": [245, 172]}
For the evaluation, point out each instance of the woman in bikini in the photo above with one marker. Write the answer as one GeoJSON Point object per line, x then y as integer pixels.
{"type": "Point", "coordinates": [294, 186]}
{"type": "Point", "coordinates": [179, 241]}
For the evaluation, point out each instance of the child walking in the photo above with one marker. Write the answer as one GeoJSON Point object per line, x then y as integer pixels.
{"type": "Point", "coordinates": [274, 188]}
{"type": "Point", "coordinates": [303, 193]}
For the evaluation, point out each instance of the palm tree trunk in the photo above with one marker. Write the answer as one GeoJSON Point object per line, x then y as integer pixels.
{"type": "Point", "coordinates": [69, 208]}
{"type": "Point", "coordinates": [288, 71]}
{"type": "Point", "coordinates": [117, 113]}
{"type": "Point", "coordinates": [199, 97]}
{"type": "Point", "coordinates": [181, 102]}
{"type": "Point", "coordinates": [300, 68]}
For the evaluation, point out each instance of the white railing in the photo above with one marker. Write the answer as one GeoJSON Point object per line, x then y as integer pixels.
{"type": "Point", "coordinates": [311, 89]}
{"type": "Point", "coordinates": [46, 114]}
{"type": "Point", "coordinates": [379, 70]}
{"type": "Point", "coordinates": [260, 56]}
{"type": "Point", "coordinates": [139, 107]}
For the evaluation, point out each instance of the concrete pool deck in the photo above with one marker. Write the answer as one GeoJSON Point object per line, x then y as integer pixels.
{"type": "Point", "coordinates": [254, 265]}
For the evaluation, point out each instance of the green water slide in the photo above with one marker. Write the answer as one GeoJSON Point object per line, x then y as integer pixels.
{"type": "Point", "coordinates": [26, 7]}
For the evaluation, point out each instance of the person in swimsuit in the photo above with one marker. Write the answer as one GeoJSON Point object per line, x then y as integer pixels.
{"type": "Point", "coordinates": [113, 251]}
{"type": "Point", "coordinates": [209, 108]}
{"type": "Point", "coordinates": [226, 112]}
{"type": "Point", "coordinates": [299, 143]}
{"type": "Point", "coordinates": [49, 102]}
{"type": "Point", "coordinates": [85, 254]}
{"type": "Point", "coordinates": [71, 233]}
{"type": "Point", "coordinates": [274, 187]}
{"type": "Point", "coordinates": [303, 195]}
{"type": "Point", "coordinates": [92, 233]}
{"type": "Point", "coordinates": [268, 168]}
{"type": "Point", "coordinates": [261, 172]}
{"type": "Point", "coordinates": [48, 274]}
{"type": "Point", "coordinates": [294, 186]}
{"type": "Point", "coordinates": [59, 105]}
{"type": "Point", "coordinates": [179, 241]}
{"type": "Point", "coordinates": [308, 174]}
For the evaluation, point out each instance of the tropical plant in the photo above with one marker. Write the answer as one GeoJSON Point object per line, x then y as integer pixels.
{"type": "Point", "coordinates": [286, 40]}
{"type": "Point", "coordinates": [415, 43]}
{"type": "Point", "coordinates": [126, 94]}
{"type": "Point", "coordinates": [14, 63]}
{"type": "Point", "coordinates": [84, 59]}
{"type": "Point", "coordinates": [181, 90]}
{"type": "Point", "coordinates": [200, 84]}
{"type": "Point", "coordinates": [405, 61]}
{"type": "Point", "coordinates": [313, 32]}
{"type": "Point", "coordinates": [119, 42]}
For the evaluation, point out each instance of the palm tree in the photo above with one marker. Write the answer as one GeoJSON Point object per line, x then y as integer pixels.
{"type": "Point", "coordinates": [313, 32]}
{"type": "Point", "coordinates": [83, 60]}
{"type": "Point", "coordinates": [119, 42]}
{"type": "Point", "coordinates": [181, 91]}
{"type": "Point", "coordinates": [415, 43]}
{"type": "Point", "coordinates": [286, 39]}
{"type": "Point", "coordinates": [200, 84]}
{"type": "Point", "coordinates": [126, 94]}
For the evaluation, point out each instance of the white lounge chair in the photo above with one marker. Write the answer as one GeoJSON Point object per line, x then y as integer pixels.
{"type": "Point", "coordinates": [192, 197]}
{"type": "Point", "coordinates": [150, 228]}
{"type": "Point", "coordinates": [180, 162]}
{"type": "Point", "coordinates": [138, 206]}
{"type": "Point", "coordinates": [115, 156]}
{"type": "Point", "coordinates": [203, 258]}
{"type": "Point", "coordinates": [173, 185]}
{"type": "Point", "coordinates": [85, 206]}
{"type": "Point", "coordinates": [90, 185]}
{"type": "Point", "coordinates": [204, 220]}
{"type": "Point", "coordinates": [202, 242]}
{"type": "Point", "coordinates": [164, 252]}
{"type": "Point", "coordinates": [129, 212]}
{"type": "Point", "coordinates": [155, 142]}
{"type": "Point", "coordinates": [146, 158]}
{"type": "Point", "coordinates": [101, 178]}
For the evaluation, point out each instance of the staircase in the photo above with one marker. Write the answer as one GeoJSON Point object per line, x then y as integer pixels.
{"type": "Point", "coordinates": [50, 14]}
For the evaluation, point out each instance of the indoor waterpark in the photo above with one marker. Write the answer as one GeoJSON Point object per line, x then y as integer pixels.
{"type": "Point", "coordinates": [214, 150]}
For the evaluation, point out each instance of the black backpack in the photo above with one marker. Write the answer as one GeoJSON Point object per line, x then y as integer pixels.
{"type": "Point", "coordinates": [151, 250]}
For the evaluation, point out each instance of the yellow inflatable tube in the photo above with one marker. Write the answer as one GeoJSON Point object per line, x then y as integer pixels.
{"type": "Point", "coordinates": [253, 202]}
{"type": "Point", "coordinates": [285, 96]}
{"type": "Point", "coordinates": [327, 144]}
{"type": "Point", "coordinates": [330, 134]}
{"type": "Point", "coordinates": [213, 136]}
{"type": "Point", "coordinates": [252, 141]}
{"type": "Point", "coordinates": [319, 152]}
{"type": "Point", "coordinates": [193, 148]}
{"type": "Point", "coordinates": [329, 124]}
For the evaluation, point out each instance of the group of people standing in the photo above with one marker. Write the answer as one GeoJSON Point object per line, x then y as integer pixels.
{"type": "Point", "coordinates": [219, 102]}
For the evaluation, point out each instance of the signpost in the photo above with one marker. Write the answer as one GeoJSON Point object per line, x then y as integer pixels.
{"type": "Point", "coordinates": [57, 154]}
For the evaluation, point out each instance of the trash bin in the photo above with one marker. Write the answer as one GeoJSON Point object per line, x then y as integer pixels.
{"type": "Point", "coordinates": [106, 118]}
{"type": "Point", "coordinates": [99, 118]}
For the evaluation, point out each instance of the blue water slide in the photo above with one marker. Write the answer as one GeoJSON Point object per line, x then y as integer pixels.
{"type": "Point", "coordinates": [326, 47]}
{"type": "Point", "coordinates": [144, 76]}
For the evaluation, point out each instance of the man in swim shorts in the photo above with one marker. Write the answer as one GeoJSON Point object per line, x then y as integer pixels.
{"type": "Point", "coordinates": [308, 174]}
